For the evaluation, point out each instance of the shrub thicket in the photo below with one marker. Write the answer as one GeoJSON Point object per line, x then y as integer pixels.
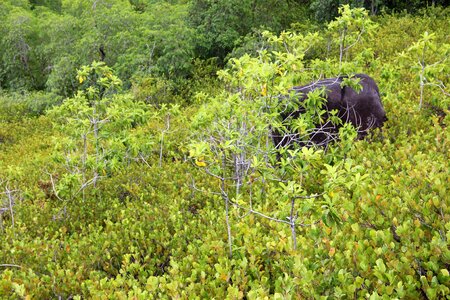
{"type": "Point", "coordinates": [117, 195]}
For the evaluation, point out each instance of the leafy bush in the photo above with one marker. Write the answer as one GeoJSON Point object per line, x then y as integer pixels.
{"type": "Point", "coordinates": [16, 106]}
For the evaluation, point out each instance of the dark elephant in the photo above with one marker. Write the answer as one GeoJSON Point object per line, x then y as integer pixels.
{"type": "Point", "coordinates": [363, 109]}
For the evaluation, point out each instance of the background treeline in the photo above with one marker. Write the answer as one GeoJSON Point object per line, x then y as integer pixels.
{"type": "Point", "coordinates": [44, 41]}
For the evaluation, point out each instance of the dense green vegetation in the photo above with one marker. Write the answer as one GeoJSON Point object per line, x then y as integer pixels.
{"type": "Point", "coordinates": [136, 163]}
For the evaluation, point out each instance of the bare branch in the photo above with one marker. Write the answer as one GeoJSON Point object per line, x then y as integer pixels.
{"type": "Point", "coordinates": [9, 192]}
{"type": "Point", "coordinates": [310, 196]}
{"type": "Point", "coordinates": [144, 160]}
{"type": "Point", "coordinates": [10, 266]}
{"type": "Point", "coordinates": [203, 191]}
{"type": "Point", "coordinates": [53, 187]}
{"type": "Point", "coordinates": [440, 85]}
{"type": "Point", "coordinates": [357, 39]}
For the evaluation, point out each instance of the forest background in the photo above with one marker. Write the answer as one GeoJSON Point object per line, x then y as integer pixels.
{"type": "Point", "coordinates": [135, 159]}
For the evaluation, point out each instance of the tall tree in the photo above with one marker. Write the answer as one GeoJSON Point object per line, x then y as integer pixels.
{"type": "Point", "coordinates": [222, 24]}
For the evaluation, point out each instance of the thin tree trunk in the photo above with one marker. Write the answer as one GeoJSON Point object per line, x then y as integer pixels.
{"type": "Point", "coordinates": [84, 163]}
{"type": "Point", "coordinates": [341, 48]}
{"type": "Point", "coordinates": [227, 217]}
{"type": "Point", "coordinates": [236, 173]}
{"type": "Point", "coordinates": [162, 139]}
{"type": "Point", "coordinates": [161, 149]}
{"type": "Point", "coordinates": [292, 221]}
{"type": "Point", "coordinates": [97, 151]}
{"type": "Point", "coordinates": [11, 203]}
{"type": "Point", "coordinates": [421, 89]}
{"type": "Point", "coordinates": [422, 77]}
{"type": "Point", "coordinates": [227, 207]}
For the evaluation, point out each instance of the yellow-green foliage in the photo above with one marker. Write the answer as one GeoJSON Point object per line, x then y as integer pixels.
{"type": "Point", "coordinates": [153, 226]}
